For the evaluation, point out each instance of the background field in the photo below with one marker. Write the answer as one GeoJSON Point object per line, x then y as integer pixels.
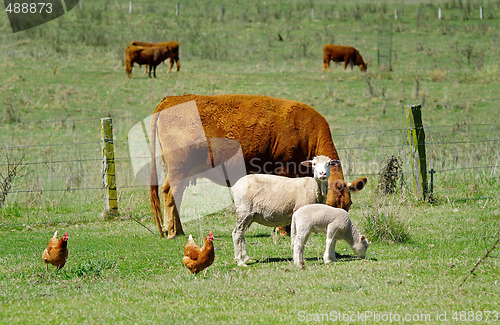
{"type": "Point", "coordinates": [57, 80]}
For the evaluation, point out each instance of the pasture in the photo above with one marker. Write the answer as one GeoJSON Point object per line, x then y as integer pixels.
{"type": "Point", "coordinates": [57, 80]}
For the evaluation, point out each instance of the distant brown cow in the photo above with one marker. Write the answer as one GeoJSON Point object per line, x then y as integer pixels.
{"type": "Point", "coordinates": [173, 46]}
{"type": "Point", "coordinates": [339, 53]}
{"type": "Point", "coordinates": [152, 56]}
{"type": "Point", "coordinates": [275, 136]}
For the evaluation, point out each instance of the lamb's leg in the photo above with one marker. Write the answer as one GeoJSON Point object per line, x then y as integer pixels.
{"type": "Point", "coordinates": [244, 253]}
{"type": "Point", "coordinates": [329, 255]}
{"type": "Point", "coordinates": [298, 249]}
{"type": "Point", "coordinates": [236, 242]}
{"type": "Point", "coordinates": [240, 249]}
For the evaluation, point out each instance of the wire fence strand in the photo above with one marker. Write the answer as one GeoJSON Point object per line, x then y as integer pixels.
{"type": "Point", "coordinates": [79, 169]}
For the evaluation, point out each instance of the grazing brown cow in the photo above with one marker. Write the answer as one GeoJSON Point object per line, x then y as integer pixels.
{"type": "Point", "coordinates": [339, 53]}
{"type": "Point", "coordinates": [151, 56]}
{"type": "Point", "coordinates": [173, 46]}
{"type": "Point", "coordinates": [275, 136]}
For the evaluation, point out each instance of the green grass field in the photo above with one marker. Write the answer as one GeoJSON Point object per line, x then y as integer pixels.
{"type": "Point", "coordinates": [57, 80]}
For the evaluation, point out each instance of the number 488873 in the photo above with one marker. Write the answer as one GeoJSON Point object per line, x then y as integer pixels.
{"type": "Point", "coordinates": [29, 8]}
{"type": "Point", "coordinates": [475, 316]}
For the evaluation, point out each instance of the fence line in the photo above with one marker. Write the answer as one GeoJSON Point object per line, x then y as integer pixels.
{"type": "Point", "coordinates": [126, 179]}
{"type": "Point", "coordinates": [97, 174]}
{"type": "Point", "coordinates": [140, 118]}
{"type": "Point", "coordinates": [335, 135]}
{"type": "Point", "coordinates": [126, 158]}
{"type": "Point", "coordinates": [51, 145]}
{"type": "Point", "coordinates": [207, 182]}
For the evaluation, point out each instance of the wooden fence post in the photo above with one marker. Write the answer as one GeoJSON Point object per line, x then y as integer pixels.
{"type": "Point", "coordinates": [108, 168]}
{"type": "Point", "coordinates": [416, 136]}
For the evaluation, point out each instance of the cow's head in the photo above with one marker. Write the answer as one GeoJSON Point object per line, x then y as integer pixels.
{"type": "Point", "coordinates": [363, 66]}
{"type": "Point", "coordinates": [339, 191]}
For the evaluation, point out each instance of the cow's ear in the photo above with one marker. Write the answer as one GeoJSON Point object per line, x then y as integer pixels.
{"type": "Point", "coordinates": [307, 163]}
{"type": "Point", "coordinates": [357, 185]}
{"type": "Point", "coordinates": [334, 162]}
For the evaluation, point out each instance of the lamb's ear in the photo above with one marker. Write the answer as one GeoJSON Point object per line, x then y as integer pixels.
{"type": "Point", "coordinates": [357, 185]}
{"type": "Point", "coordinates": [307, 163]}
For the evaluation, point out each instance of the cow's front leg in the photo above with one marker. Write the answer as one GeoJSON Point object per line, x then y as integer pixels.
{"type": "Point", "coordinates": [326, 65]}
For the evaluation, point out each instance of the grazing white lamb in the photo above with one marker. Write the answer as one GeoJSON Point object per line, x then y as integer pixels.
{"type": "Point", "coordinates": [270, 200]}
{"type": "Point", "coordinates": [321, 218]}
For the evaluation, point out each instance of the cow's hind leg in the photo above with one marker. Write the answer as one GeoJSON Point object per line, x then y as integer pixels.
{"type": "Point", "coordinates": [171, 65]}
{"type": "Point", "coordinates": [173, 226]}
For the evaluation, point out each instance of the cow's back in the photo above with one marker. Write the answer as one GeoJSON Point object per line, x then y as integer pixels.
{"type": "Point", "coordinates": [338, 52]}
{"type": "Point", "coordinates": [173, 46]}
{"type": "Point", "coordinates": [268, 129]}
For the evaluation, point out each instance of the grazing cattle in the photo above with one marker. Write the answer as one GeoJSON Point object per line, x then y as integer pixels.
{"type": "Point", "coordinates": [150, 55]}
{"type": "Point", "coordinates": [174, 51]}
{"type": "Point", "coordinates": [275, 136]}
{"type": "Point", "coordinates": [339, 53]}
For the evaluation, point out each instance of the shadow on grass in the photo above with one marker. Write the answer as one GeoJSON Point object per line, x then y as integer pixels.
{"type": "Point", "coordinates": [340, 258]}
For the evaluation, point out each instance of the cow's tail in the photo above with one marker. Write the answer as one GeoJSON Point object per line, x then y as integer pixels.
{"type": "Point", "coordinates": [153, 187]}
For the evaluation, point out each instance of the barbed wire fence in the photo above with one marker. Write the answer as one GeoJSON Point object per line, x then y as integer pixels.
{"type": "Point", "coordinates": [467, 153]}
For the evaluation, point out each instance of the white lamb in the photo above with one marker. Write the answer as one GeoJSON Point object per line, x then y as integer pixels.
{"type": "Point", "coordinates": [270, 200]}
{"type": "Point", "coordinates": [321, 218]}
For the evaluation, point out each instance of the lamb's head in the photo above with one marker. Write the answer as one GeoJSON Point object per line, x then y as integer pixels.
{"type": "Point", "coordinates": [321, 166]}
{"type": "Point", "coordinates": [338, 190]}
{"type": "Point", "coordinates": [360, 246]}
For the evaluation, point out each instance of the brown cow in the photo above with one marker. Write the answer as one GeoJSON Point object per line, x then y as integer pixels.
{"type": "Point", "coordinates": [172, 45]}
{"type": "Point", "coordinates": [339, 53]}
{"type": "Point", "coordinates": [150, 55]}
{"type": "Point", "coordinates": [275, 136]}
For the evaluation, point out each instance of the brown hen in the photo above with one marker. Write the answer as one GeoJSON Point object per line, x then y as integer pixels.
{"type": "Point", "coordinates": [197, 259]}
{"type": "Point", "coordinates": [56, 251]}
